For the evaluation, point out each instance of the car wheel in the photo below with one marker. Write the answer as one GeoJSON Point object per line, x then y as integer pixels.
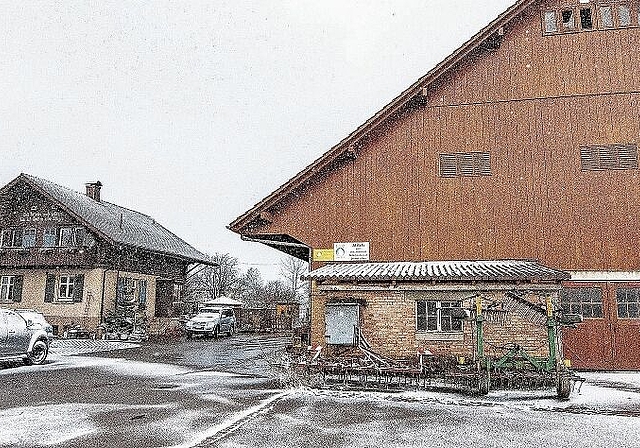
{"type": "Point", "coordinates": [216, 332]}
{"type": "Point", "coordinates": [232, 329]}
{"type": "Point", "coordinates": [38, 353]}
{"type": "Point", "coordinates": [189, 335]}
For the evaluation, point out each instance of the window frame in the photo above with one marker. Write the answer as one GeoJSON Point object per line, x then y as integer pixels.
{"type": "Point", "coordinates": [438, 317]}
{"type": "Point", "coordinates": [69, 285]}
{"type": "Point", "coordinates": [578, 307]}
{"type": "Point", "coordinates": [626, 303]}
{"type": "Point", "coordinates": [6, 288]}
{"type": "Point", "coordinates": [597, 16]}
{"type": "Point", "coordinates": [14, 235]}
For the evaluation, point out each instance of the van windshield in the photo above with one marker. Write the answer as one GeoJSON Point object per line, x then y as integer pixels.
{"type": "Point", "coordinates": [210, 310]}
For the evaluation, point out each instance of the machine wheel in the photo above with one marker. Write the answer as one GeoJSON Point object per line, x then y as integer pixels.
{"type": "Point", "coordinates": [564, 386]}
{"type": "Point", "coordinates": [38, 353]}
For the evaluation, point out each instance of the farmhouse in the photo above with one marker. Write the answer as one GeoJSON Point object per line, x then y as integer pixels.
{"type": "Point", "coordinates": [80, 259]}
{"type": "Point", "coordinates": [521, 145]}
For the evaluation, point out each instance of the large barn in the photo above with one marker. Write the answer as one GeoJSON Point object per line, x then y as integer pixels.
{"type": "Point", "coordinates": [522, 144]}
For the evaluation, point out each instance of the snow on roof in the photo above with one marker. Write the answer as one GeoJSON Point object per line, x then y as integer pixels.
{"type": "Point", "coordinates": [118, 224]}
{"type": "Point", "coordinates": [497, 270]}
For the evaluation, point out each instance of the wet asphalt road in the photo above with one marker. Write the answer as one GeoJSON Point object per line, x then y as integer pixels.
{"type": "Point", "coordinates": [224, 393]}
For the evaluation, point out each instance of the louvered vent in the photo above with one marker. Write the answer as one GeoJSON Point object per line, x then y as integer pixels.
{"type": "Point", "coordinates": [467, 164]}
{"type": "Point", "coordinates": [609, 157]}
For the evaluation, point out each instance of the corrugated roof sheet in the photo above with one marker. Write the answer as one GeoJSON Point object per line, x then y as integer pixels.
{"type": "Point", "coordinates": [497, 270]}
{"type": "Point", "coordinates": [119, 224]}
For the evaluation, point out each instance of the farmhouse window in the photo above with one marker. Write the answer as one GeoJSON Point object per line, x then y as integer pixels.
{"type": "Point", "coordinates": [64, 288]}
{"type": "Point", "coordinates": [130, 291]}
{"type": "Point", "coordinates": [29, 238]}
{"type": "Point", "coordinates": [49, 238]}
{"type": "Point", "coordinates": [10, 288]}
{"type": "Point", "coordinates": [628, 303]}
{"type": "Point", "coordinates": [66, 237]}
{"type": "Point", "coordinates": [432, 315]}
{"type": "Point", "coordinates": [465, 164]}
{"type": "Point", "coordinates": [12, 238]}
{"type": "Point", "coordinates": [609, 157]}
{"type": "Point", "coordinates": [584, 301]}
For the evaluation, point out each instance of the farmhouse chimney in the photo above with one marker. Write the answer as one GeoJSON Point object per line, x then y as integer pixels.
{"type": "Point", "coordinates": [93, 190]}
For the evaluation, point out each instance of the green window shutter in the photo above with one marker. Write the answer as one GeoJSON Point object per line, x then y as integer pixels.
{"type": "Point", "coordinates": [78, 287]}
{"type": "Point", "coordinates": [16, 295]}
{"type": "Point", "coordinates": [50, 288]}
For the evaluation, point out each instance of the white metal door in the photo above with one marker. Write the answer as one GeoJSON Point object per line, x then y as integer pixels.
{"type": "Point", "coordinates": [341, 320]}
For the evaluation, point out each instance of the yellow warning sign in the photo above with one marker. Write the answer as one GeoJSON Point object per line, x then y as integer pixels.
{"type": "Point", "coordinates": [322, 254]}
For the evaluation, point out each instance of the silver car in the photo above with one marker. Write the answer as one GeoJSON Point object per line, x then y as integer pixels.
{"type": "Point", "coordinates": [212, 322]}
{"type": "Point", "coordinates": [37, 318]}
{"type": "Point", "coordinates": [22, 338]}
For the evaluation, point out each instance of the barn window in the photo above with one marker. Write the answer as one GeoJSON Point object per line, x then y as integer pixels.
{"type": "Point", "coordinates": [586, 19]}
{"type": "Point", "coordinates": [435, 315]}
{"type": "Point", "coordinates": [468, 164]}
{"type": "Point", "coordinates": [609, 157]}
{"type": "Point", "coordinates": [550, 24]}
{"type": "Point", "coordinates": [568, 20]}
{"type": "Point", "coordinates": [606, 17]}
{"type": "Point", "coordinates": [624, 15]}
{"type": "Point", "coordinates": [584, 301]}
{"type": "Point", "coordinates": [628, 303]}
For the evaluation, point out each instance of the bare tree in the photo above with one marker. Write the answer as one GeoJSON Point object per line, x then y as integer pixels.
{"type": "Point", "coordinates": [211, 282]}
{"type": "Point", "coordinates": [250, 289]}
{"type": "Point", "coordinates": [291, 269]}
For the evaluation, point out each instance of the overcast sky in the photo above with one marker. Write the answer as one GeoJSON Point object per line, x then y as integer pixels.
{"type": "Point", "coordinates": [192, 112]}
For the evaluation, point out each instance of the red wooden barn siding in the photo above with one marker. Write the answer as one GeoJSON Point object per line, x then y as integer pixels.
{"type": "Point", "coordinates": [531, 104]}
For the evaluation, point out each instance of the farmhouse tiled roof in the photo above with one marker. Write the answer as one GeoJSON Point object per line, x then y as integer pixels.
{"type": "Point", "coordinates": [118, 224]}
{"type": "Point", "coordinates": [500, 270]}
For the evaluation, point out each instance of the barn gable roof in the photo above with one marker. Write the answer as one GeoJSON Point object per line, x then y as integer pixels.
{"type": "Point", "coordinates": [348, 147]}
{"type": "Point", "coordinates": [116, 224]}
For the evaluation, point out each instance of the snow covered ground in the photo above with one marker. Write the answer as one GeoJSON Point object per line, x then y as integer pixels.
{"type": "Point", "coordinates": [82, 401]}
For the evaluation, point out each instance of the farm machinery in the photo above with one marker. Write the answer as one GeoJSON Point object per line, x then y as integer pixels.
{"type": "Point", "coordinates": [507, 367]}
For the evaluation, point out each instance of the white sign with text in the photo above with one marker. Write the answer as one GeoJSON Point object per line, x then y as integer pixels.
{"type": "Point", "coordinates": [351, 251]}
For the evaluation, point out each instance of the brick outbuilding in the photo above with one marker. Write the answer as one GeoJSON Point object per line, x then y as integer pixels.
{"type": "Point", "coordinates": [402, 308]}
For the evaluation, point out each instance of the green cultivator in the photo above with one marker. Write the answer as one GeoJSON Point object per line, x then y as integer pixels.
{"type": "Point", "coordinates": [513, 369]}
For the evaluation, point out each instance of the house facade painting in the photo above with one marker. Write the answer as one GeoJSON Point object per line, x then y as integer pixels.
{"type": "Point", "coordinates": [522, 144]}
{"type": "Point", "coordinates": [75, 257]}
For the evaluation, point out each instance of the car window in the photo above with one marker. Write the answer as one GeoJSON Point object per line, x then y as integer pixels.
{"type": "Point", "coordinates": [208, 315]}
